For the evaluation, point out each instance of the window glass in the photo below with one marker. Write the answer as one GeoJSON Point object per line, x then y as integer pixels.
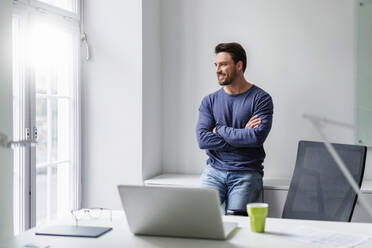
{"type": "Point", "coordinates": [69, 5]}
{"type": "Point", "coordinates": [53, 198]}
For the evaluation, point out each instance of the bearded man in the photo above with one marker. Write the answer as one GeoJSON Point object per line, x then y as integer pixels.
{"type": "Point", "coordinates": [232, 127]}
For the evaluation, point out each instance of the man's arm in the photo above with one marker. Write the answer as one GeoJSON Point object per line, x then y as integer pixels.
{"type": "Point", "coordinates": [206, 138]}
{"type": "Point", "coordinates": [250, 137]}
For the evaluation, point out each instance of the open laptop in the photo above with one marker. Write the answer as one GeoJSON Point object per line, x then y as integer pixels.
{"type": "Point", "coordinates": [172, 211]}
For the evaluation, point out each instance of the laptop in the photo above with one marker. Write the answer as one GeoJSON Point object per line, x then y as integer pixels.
{"type": "Point", "coordinates": [174, 212]}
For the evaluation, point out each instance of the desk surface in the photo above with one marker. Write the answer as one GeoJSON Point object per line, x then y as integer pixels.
{"type": "Point", "coordinates": [275, 236]}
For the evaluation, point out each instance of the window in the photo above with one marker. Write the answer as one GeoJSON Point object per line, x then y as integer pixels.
{"type": "Point", "coordinates": [46, 109]}
{"type": "Point", "coordinates": [69, 5]}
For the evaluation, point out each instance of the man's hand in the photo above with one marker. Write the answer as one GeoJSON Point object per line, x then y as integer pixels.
{"type": "Point", "coordinates": [253, 122]}
{"type": "Point", "coordinates": [214, 130]}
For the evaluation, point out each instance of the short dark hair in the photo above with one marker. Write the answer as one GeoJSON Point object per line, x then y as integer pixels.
{"type": "Point", "coordinates": [235, 50]}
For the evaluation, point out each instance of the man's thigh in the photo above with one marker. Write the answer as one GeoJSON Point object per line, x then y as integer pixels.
{"type": "Point", "coordinates": [213, 178]}
{"type": "Point", "coordinates": [243, 187]}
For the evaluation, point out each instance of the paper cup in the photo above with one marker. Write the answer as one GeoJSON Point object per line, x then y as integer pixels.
{"type": "Point", "coordinates": [257, 213]}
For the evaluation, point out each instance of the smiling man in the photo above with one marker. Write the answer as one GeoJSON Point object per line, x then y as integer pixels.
{"type": "Point", "coordinates": [232, 127]}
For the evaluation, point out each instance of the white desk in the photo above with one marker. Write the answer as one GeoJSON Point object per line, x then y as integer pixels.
{"type": "Point", "coordinates": [121, 237]}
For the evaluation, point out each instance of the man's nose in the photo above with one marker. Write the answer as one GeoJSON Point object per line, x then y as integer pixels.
{"type": "Point", "coordinates": [218, 69]}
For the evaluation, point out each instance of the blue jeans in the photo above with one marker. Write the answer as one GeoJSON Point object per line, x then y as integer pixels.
{"type": "Point", "coordinates": [236, 188]}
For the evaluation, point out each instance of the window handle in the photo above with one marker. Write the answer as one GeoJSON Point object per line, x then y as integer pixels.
{"type": "Point", "coordinates": [84, 40]}
{"type": "Point", "coordinates": [6, 143]}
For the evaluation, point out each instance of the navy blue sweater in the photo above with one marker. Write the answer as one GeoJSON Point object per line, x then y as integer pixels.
{"type": "Point", "coordinates": [234, 147]}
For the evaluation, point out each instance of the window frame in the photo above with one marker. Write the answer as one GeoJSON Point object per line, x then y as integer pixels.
{"type": "Point", "coordinates": [47, 8]}
{"type": "Point", "coordinates": [26, 196]}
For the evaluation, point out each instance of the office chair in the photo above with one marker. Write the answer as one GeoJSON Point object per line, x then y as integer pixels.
{"type": "Point", "coordinates": [318, 189]}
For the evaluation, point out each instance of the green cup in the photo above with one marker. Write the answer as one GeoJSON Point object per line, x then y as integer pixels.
{"type": "Point", "coordinates": [257, 213]}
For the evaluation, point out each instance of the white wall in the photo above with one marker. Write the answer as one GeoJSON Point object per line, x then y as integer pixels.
{"type": "Point", "coordinates": [151, 89]}
{"type": "Point", "coordinates": [111, 101]}
{"type": "Point", "coordinates": [300, 51]}
{"type": "Point", "coordinates": [153, 63]}
{"type": "Point", "coordinates": [6, 116]}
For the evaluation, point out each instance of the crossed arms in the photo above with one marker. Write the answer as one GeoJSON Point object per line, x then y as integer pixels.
{"type": "Point", "coordinates": [214, 136]}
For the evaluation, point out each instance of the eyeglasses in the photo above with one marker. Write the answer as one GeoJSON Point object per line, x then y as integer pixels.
{"type": "Point", "coordinates": [90, 214]}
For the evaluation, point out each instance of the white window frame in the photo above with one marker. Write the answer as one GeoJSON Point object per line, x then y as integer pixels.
{"type": "Point", "coordinates": [41, 6]}
{"type": "Point", "coordinates": [26, 210]}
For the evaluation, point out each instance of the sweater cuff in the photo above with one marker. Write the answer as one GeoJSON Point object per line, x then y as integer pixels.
{"type": "Point", "coordinates": [218, 126]}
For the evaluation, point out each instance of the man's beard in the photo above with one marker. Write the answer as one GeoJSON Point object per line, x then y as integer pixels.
{"type": "Point", "coordinates": [229, 79]}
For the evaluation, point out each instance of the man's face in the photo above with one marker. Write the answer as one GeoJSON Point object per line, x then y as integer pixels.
{"type": "Point", "coordinates": [225, 68]}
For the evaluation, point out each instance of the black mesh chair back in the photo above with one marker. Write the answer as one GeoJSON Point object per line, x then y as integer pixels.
{"type": "Point", "coordinates": [318, 189]}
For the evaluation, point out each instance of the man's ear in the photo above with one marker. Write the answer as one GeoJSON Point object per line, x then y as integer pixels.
{"type": "Point", "coordinates": [239, 65]}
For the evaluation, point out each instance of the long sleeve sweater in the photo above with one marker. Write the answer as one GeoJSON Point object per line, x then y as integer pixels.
{"type": "Point", "coordinates": [234, 147]}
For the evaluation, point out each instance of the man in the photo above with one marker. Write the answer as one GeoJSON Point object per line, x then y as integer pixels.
{"type": "Point", "coordinates": [232, 127]}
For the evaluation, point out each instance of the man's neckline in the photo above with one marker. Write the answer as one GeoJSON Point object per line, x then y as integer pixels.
{"type": "Point", "coordinates": [234, 95]}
